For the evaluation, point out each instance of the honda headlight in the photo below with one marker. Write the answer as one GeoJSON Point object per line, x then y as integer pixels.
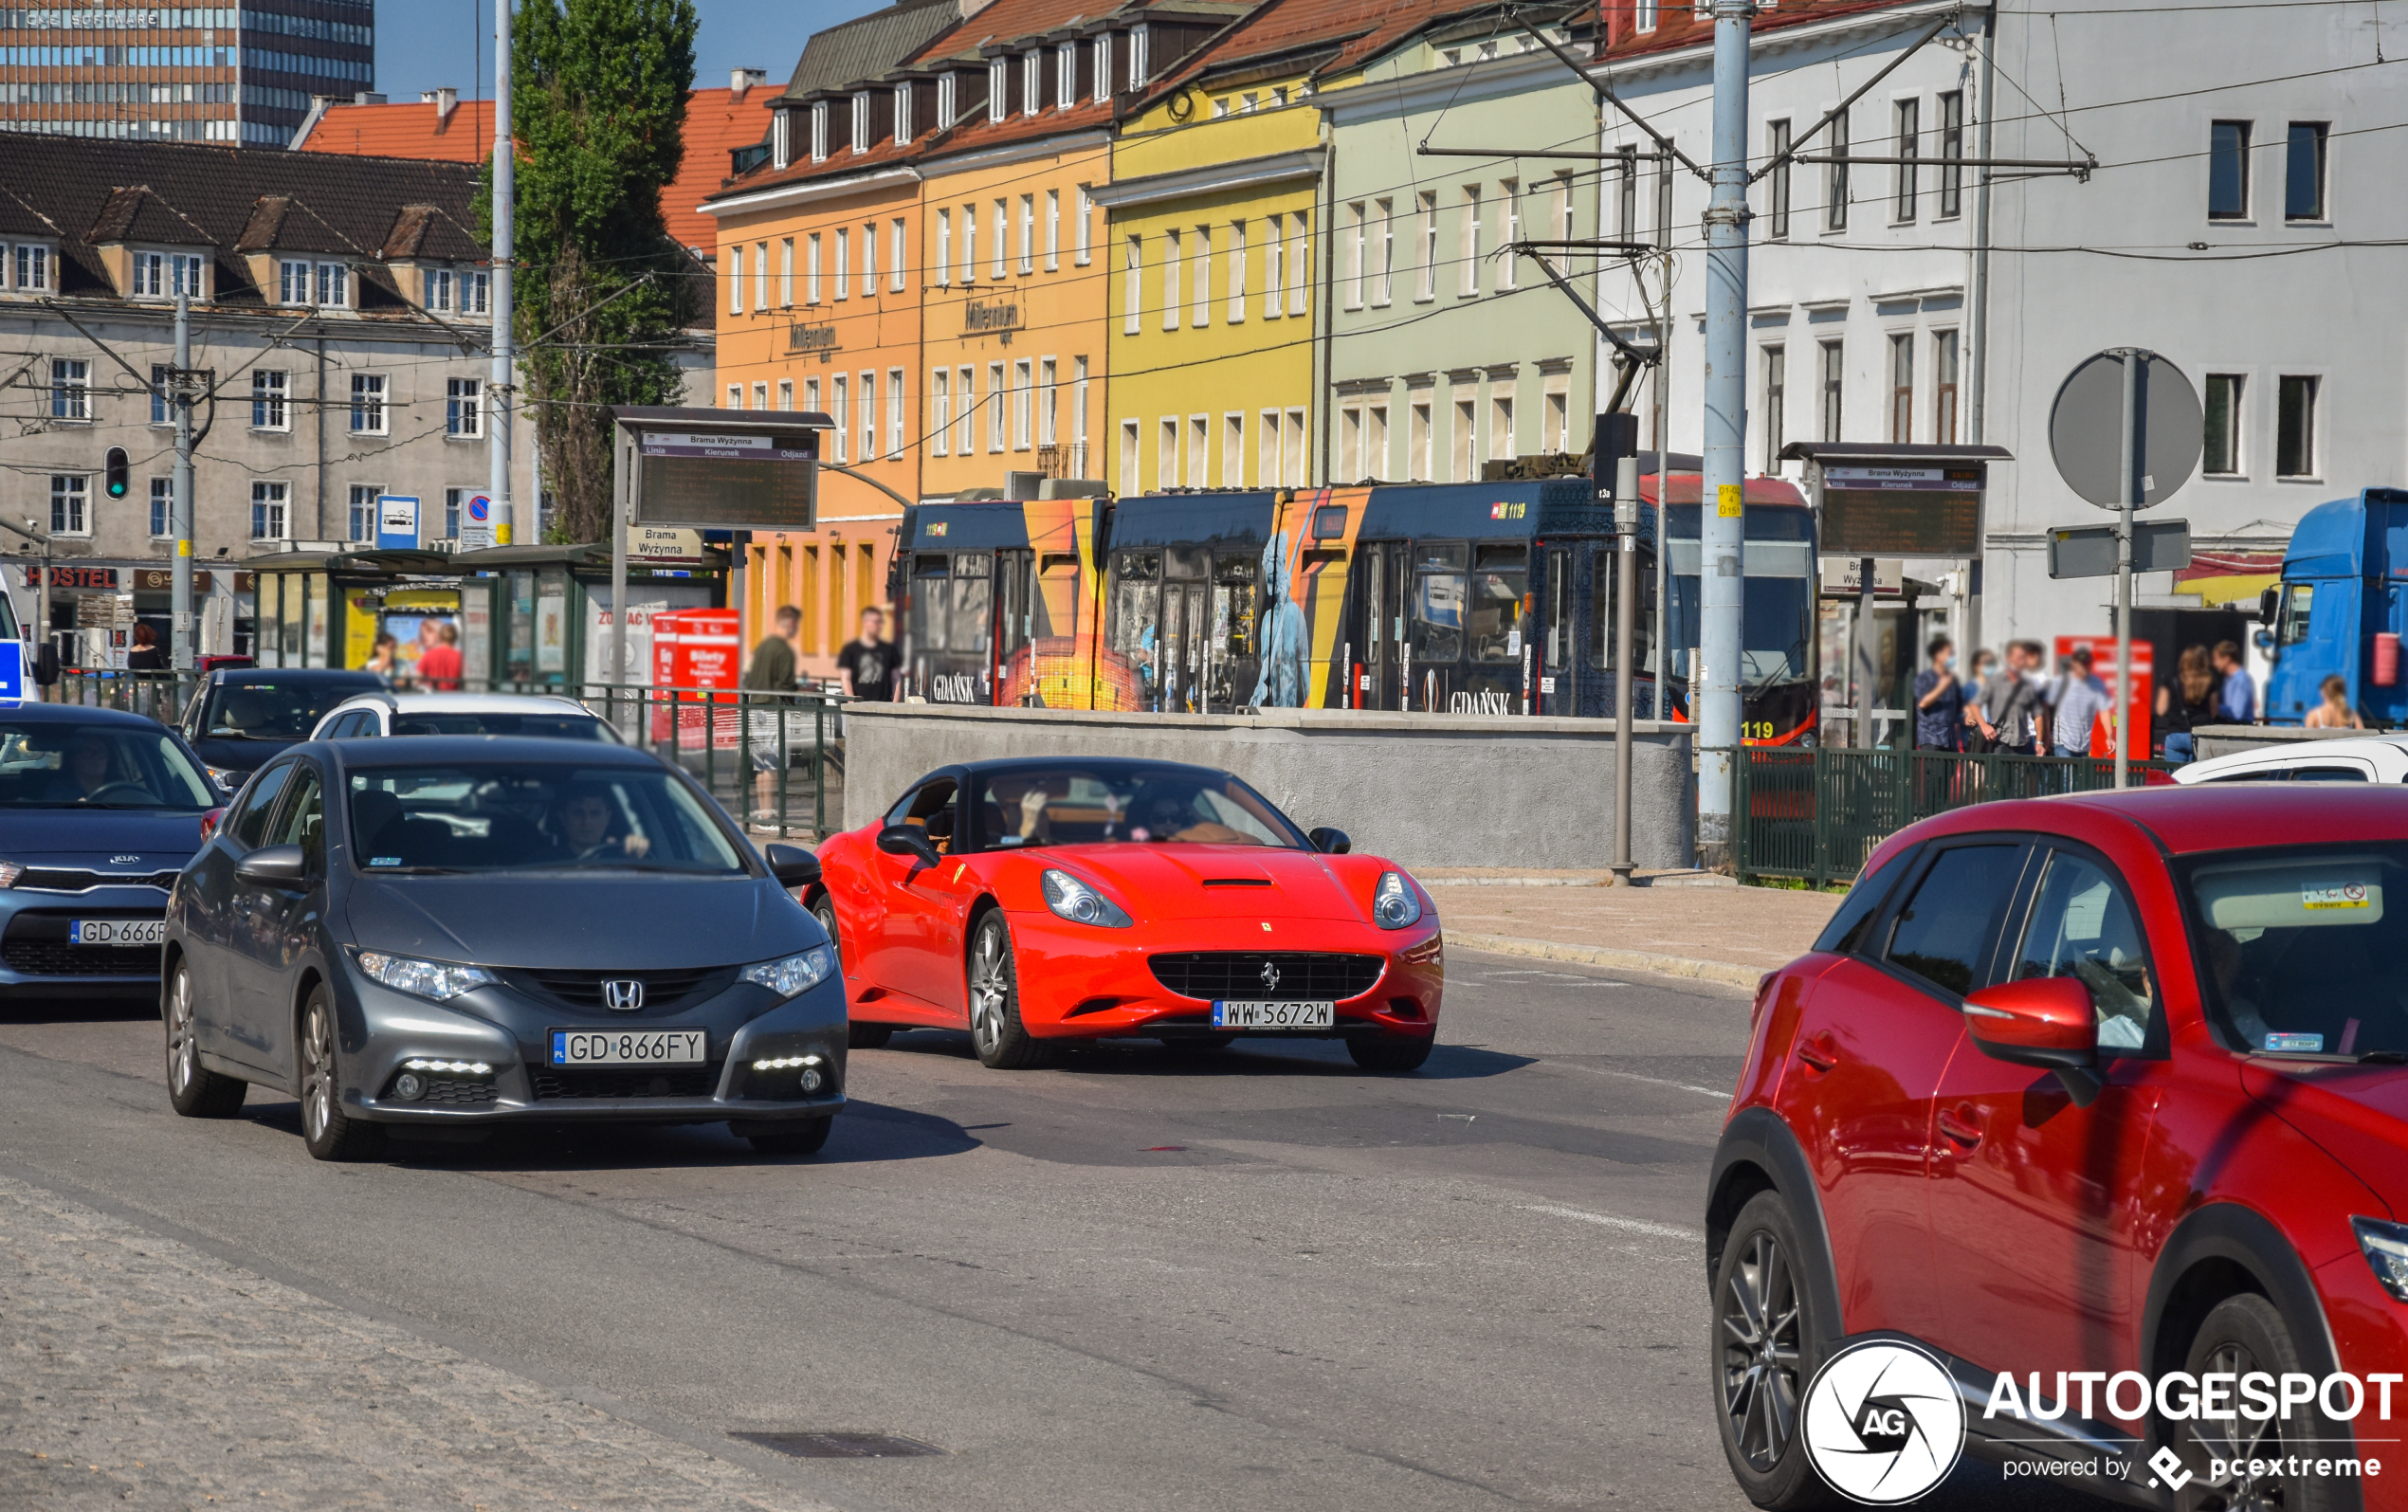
{"type": "Point", "coordinates": [2386, 1249]}
{"type": "Point", "coordinates": [793, 974]}
{"type": "Point", "coordinates": [229, 780]}
{"type": "Point", "coordinates": [1075, 900]}
{"type": "Point", "coordinates": [427, 979]}
{"type": "Point", "coordinates": [1394, 902]}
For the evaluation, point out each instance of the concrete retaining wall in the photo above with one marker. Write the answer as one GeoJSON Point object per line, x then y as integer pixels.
{"type": "Point", "coordinates": [1426, 790]}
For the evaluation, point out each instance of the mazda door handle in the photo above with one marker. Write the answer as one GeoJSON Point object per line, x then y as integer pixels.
{"type": "Point", "coordinates": [1959, 1129]}
{"type": "Point", "coordinates": [1819, 1051]}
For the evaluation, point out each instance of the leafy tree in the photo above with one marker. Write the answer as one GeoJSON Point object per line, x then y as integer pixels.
{"type": "Point", "coordinates": [601, 288]}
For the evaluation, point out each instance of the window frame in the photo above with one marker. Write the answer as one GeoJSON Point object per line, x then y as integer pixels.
{"type": "Point", "coordinates": [2321, 213]}
{"type": "Point", "coordinates": [2310, 468]}
{"type": "Point", "coordinates": [2240, 165]}
{"type": "Point", "coordinates": [2235, 386]}
{"type": "Point", "coordinates": [2156, 1039]}
{"type": "Point", "coordinates": [2012, 909]}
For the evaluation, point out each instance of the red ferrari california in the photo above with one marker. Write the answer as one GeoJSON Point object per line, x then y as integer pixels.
{"type": "Point", "coordinates": [1037, 901]}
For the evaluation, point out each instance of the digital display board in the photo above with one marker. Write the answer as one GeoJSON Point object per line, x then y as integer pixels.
{"type": "Point", "coordinates": [729, 480]}
{"type": "Point", "coordinates": [1903, 510]}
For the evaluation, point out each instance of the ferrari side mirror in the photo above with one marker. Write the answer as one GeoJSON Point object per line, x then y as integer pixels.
{"type": "Point", "coordinates": [1330, 842]}
{"type": "Point", "coordinates": [909, 840]}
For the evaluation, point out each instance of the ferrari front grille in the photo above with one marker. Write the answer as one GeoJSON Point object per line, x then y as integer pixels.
{"type": "Point", "coordinates": [1267, 975]}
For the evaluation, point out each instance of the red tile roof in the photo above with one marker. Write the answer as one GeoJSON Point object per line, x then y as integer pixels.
{"type": "Point", "coordinates": [1678, 28]}
{"type": "Point", "coordinates": [716, 122]}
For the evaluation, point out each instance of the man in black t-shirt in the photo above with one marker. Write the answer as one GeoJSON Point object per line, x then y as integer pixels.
{"type": "Point", "coordinates": [869, 662]}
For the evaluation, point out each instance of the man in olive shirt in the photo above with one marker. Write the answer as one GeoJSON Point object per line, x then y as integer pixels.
{"type": "Point", "coordinates": [772, 672]}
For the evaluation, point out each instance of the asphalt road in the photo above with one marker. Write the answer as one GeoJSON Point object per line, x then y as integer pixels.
{"type": "Point", "coordinates": [1138, 1280]}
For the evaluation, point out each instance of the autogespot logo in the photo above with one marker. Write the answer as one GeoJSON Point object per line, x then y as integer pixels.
{"type": "Point", "coordinates": [1883, 1423]}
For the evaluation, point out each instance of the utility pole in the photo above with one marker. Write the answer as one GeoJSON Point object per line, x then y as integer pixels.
{"type": "Point", "coordinates": [499, 390]}
{"type": "Point", "coordinates": [180, 397]}
{"type": "Point", "coordinates": [2135, 451]}
{"type": "Point", "coordinates": [1714, 699]}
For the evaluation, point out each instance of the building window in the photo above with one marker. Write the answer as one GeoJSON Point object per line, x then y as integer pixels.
{"type": "Point", "coordinates": [998, 81]}
{"type": "Point", "coordinates": [869, 416]}
{"type": "Point", "coordinates": [786, 271]}
{"type": "Point", "coordinates": [861, 121]}
{"type": "Point", "coordinates": [1003, 230]}
{"type": "Point", "coordinates": [994, 407]}
{"type": "Point", "coordinates": [1049, 430]}
{"type": "Point", "coordinates": [1555, 419]}
{"type": "Point", "coordinates": [1426, 247]}
{"type": "Point", "coordinates": [1138, 71]}
{"type": "Point", "coordinates": [268, 522]}
{"type": "Point", "coordinates": [1776, 192]}
{"type": "Point", "coordinates": [735, 281]}
{"type": "Point", "coordinates": [2295, 427]}
{"type": "Point", "coordinates": [898, 253]}
{"type": "Point", "coordinates": [1101, 70]}
{"type": "Point", "coordinates": [869, 260]}
{"type": "Point", "coordinates": [2303, 172]}
{"type": "Point", "coordinates": [1357, 245]}
{"type": "Point", "coordinates": [1022, 407]}
{"type": "Point", "coordinates": [476, 293]}
{"type": "Point", "coordinates": [1066, 75]}
{"type": "Point", "coordinates": [2221, 454]}
{"type": "Point", "coordinates": [1643, 14]}
{"type": "Point", "coordinates": [735, 397]}
{"type": "Point", "coordinates": [333, 286]}
{"type": "Point", "coordinates": [1469, 252]}
{"type": "Point", "coordinates": [1383, 283]}
{"type": "Point", "coordinates": [1080, 243]}
{"type": "Point", "coordinates": [1902, 387]}
{"type": "Point", "coordinates": [363, 511]}
{"type": "Point", "coordinates": [1234, 450]}
{"type": "Point", "coordinates": [1909, 114]}
{"type": "Point", "coordinates": [819, 131]}
{"type": "Point", "coordinates": [948, 100]}
{"type": "Point", "coordinates": [1835, 183]}
{"type": "Point", "coordinates": [71, 498]}
{"type": "Point", "coordinates": [1170, 280]}
{"type": "Point", "coordinates": [1943, 391]}
{"type": "Point", "coordinates": [944, 248]}
{"type": "Point", "coordinates": [1166, 456]}
{"type": "Point", "coordinates": [149, 275]}
{"type": "Point", "coordinates": [1237, 302]}
{"type": "Point", "coordinates": [1952, 152]}
{"type": "Point", "coordinates": [33, 268]}
{"type": "Point", "coordinates": [786, 395]}
{"type": "Point", "coordinates": [1501, 438]}
{"type": "Point", "coordinates": [1053, 230]}
{"type": "Point", "coordinates": [843, 262]}
{"type": "Point", "coordinates": [940, 412]}
{"type": "Point", "coordinates": [2228, 171]}
{"type": "Point", "coordinates": [1776, 405]}
{"type": "Point", "coordinates": [162, 508]}
{"type": "Point", "coordinates": [811, 268]}
{"type": "Point", "coordinates": [1202, 292]}
{"type": "Point", "coordinates": [965, 431]}
{"type": "Point", "coordinates": [188, 275]}
{"type": "Point", "coordinates": [1029, 229]}
{"type": "Point", "coordinates": [1078, 417]}
{"type": "Point", "coordinates": [761, 278]}
{"type": "Point", "coordinates": [1300, 260]}
{"type": "Point", "coordinates": [452, 501]}
{"type": "Point", "coordinates": [1031, 82]}
{"type": "Point", "coordinates": [1274, 231]}
{"type": "Point", "coordinates": [368, 404]}
{"type": "Point", "coordinates": [159, 414]}
{"type": "Point", "coordinates": [464, 408]}
{"type": "Point", "coordinates": [1835, 356]}
{"type": "Point", "coordinates": [1509, 195]}
{"type": "Point", "coordinates": [70, 390]}
{"type": "Point", "coordinates": [1417, 441]}
{"type": "Point", "coordinates": [780, 139]}
{"type": "Point", "coordinates": [841, 411]}
{"type": "Point", "coordinates": [1129, 486]}
{"type": "Point", "coordinates": [1133, 281]}
{"type": "Point", "coordinates": [439, 289]}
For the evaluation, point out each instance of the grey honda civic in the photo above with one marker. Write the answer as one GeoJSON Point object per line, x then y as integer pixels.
{"type": "Point", "coordinates": [431, 934]}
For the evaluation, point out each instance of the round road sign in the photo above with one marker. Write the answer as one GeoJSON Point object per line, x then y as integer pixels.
{"type": "Point", "coordinates": [479, 508]}
{"type": "Point", "coordinates": [2086, 429]}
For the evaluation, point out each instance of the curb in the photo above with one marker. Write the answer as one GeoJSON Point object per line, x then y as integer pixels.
{"type": "Point", "coordinates": [1725, 973]}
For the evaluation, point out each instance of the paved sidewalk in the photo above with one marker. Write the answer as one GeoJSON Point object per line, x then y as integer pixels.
{"type": "Point", "coordinates": [1681, 925]}
{"type": "Point", "coordinates": [135, 1372]}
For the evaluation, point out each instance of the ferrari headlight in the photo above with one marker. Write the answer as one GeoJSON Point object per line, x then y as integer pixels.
{"type": "Point", "coordinates": [427, 979]}
{"type": "Point", "coordinates": [2386, 1249]}
{"type": "Point", "coordinates": [794, 974]}
{"type": "Point", "coordinates": [1394, 902]}
{"type": "Point", "coordinates": [1075, 900]}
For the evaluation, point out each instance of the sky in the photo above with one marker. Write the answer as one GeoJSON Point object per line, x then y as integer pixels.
{"type": "Point", "coordinates": [424, 45]}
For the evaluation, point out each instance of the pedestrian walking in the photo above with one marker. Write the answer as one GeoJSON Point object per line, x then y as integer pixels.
{"type": "Point", "coordinates": [2075, 702]}
{"type": "Point", "coordinates": [1940, 700]}
{"type": "Point", "coordinates": [2237, 702]}
{"type": "Point", "coordinates": [772, 672]}
{"type": "Point", "coordinates": [871, 661]}
{"type": "Point", "coordinates": [2335, 712]}
{"type": "Point", "coordinates": [1977, 732]}
{"type": "Point", "coordinates": [2186, 702]}
{"type": "Point", "coordinates": [2012, 702]}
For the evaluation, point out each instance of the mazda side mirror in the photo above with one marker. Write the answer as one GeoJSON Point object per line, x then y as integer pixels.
{"type": "Point", "coordinates": [909, 840]}
{"type": "Point", "coordinates": [1330, 842]}
{"type": "Point", "coordinates": [793, 867]}
{"type": "Point", "coordinates": [274, 867]}
{"type": "Point", "coordinates": [2047, 1022]}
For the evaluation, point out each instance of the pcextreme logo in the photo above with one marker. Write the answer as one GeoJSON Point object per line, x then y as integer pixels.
{"type": "Point", "coordinates": [1883, 1423]}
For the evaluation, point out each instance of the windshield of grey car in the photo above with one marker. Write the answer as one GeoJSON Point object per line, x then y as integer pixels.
{"type": "Point", "coordinates": [56, 765]}
{"type": "Point", "coordinates": [463, 721]}
{"type": "Point", "coordinates": [521, 817]}
{"type": "Point", "coordinates": [272, 711]}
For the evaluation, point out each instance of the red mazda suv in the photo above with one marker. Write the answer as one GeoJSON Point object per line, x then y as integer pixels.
{"type": "Point", "coordinates": [2104, 1097]}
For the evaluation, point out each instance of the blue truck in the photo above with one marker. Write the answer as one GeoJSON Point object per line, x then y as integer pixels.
{"type": "Point", "coordinates": [2341, 608]}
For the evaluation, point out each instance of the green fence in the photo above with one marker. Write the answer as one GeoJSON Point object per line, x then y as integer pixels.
{"type": "Point", "coordinates": [1817, 814]}
{"type": "Point", "coordinates": [776, 761]}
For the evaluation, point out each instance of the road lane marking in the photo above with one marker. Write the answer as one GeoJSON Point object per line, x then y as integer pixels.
{"type": "Point", "coordinates": [1721, 1094]}
{"type": "Point", "coordinates": [1657, 1230]}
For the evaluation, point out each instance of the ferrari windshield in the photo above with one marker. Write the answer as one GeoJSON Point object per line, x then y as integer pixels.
{"type": "Point", "coordinates": [527, 816]}
{"type": "Point", "coordinates": [1127, 801]}
{"type": "Point", "coordinates": [2301, 947]}
{"type": "Point", "coordinates": [53, 765]}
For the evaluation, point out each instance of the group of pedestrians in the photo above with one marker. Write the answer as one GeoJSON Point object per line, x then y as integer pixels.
{"type": "Point", "coordinates": [2018, 708]}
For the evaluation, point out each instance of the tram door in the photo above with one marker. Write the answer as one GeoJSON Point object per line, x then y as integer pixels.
{"type": "Point", "coordinates": [1014, 617]}
{"type": "Point", "coordinates": [1378, 633]}
{"type": "Point", "coordinates": [1187, 617]}
{"type": "Point", "coordinates": [1560, 638]}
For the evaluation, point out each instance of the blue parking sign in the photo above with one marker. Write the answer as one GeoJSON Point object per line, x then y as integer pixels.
{"type": "Point", "coordinates": [12, 660]}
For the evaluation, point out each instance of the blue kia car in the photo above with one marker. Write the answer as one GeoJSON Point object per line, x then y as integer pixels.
{"type": "Point", "coordinates": [98, 813]}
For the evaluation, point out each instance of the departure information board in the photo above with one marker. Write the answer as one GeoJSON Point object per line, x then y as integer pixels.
{"type": "Point", "coordinates": [714, 481]}
{"type": "Point", "coordinates": [1902, 511]}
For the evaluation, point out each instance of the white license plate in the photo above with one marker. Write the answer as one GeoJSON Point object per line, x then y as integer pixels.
{"type": "Point", "coordinates": [660, 1047]}
{"type": "Point", "coordinates": [1274, 1015]}
{"type": "Point", "coordinates": [117, 932]}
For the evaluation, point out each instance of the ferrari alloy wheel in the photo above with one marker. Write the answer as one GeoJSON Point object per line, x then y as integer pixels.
{"type": "Point", "coordinates": [1391, 1055]}
{"type": "Point", "coordinates": [997, 1033]}
{"type": "Point", "coordinates": [330, 1133]}
{"type": "Point", "coordinates": [2240, 1335]}
{"type": "Point", "coordinates": [1761, 1361]}
{"type": "Point", "coordinates": [193, 1090]}
{"type": "Point", "coordinates": [858, 1035]}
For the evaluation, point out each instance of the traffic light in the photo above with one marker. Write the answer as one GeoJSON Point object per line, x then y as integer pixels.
{"type": "Point", "coordinates": [117, 465]}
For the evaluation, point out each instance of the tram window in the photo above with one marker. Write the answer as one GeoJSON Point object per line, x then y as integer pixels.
{"type": "Point", "coordinates": [1559, 608]}
{"type": "Point", "coordinates": [1186, 561]}
{"type": "Point", "coordinates": [970, 599]}
{"type": "Point", "coordinates": [1225, 569]}
{"type": "Point", "coordinates": [1234, 611]}
{"type": "Point", "coordinates": [1499, 579]}
{"type": "Point", "coordinates": [1604, 569]}
{"type": "Point", "coordinates": [1136, 603]}
{"type": "Point", "coordinates": [972, 564]}
{"type": "Point", "coordinates": [1440, 584]}
{"type": "Point", "coordinates": [931, 600]}
{"type": "Point", "coordinates": [1329, 522]}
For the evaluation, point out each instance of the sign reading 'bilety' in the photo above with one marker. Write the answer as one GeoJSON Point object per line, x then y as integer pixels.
{"type": "Point", "coordinates": [1902, 511]}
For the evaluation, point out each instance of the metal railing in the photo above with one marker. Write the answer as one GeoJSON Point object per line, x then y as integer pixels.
{"type": "Point", "coordinates": [1817, 814]}
{"type": "Point", "coordinates": [776, 761]}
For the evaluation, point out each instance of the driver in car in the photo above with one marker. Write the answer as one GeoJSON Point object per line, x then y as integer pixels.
{"type": "Point", "coordinates": [1165, 814]}
{"type": "Point", "coordinates": [84, 773]}
{"type": "Point", "coordinates": [584, 823]}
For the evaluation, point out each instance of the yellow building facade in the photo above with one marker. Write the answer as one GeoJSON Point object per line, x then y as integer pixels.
{"type": "Point", "coordinates": [1213, 206]}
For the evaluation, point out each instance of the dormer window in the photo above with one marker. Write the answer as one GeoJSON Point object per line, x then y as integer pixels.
{"type": "Point", "coordinates": [165, 275]}
{"type": "Point", "coordinates": [861, 121]}
{"type": "Point", "coordinates": [1103, 70]}
{"type": "Point", "coordinates": [998, 80]}
{"type": "Point", "coordinates": [781, 151]}
{"type": "Point", "coordinates": [439, 290]}
{"type": "Point", "coordinates": [1066, 75]}
{"type": "Point", "coordinates": [819, 131]}
{"type": "Point", "coordinates": [1032, 82]}
{"type": "Point", "coordinates": [333, 286]}
{"type": "Point", "coordinates": [947, 101]}
{"type": "Point", "coordinates": [323, 284]}
{"type": "Point", "coordinates": [1137, 58]}
{"type": "Point", "coordinates": [28, 269]}
{"type": "Point", "coordinates": [903, 115]}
